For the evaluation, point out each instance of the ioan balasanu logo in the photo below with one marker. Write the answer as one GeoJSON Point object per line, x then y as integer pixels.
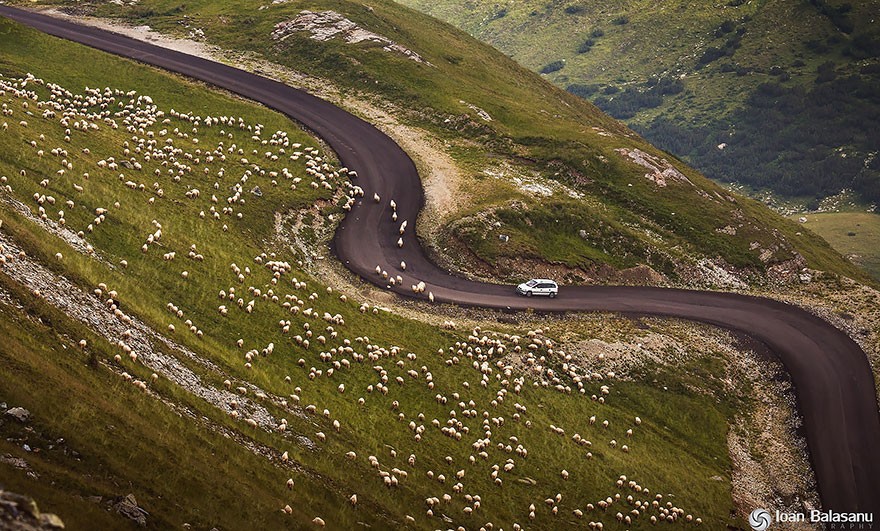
{"type": "Point", "coordinates": [761, 519]}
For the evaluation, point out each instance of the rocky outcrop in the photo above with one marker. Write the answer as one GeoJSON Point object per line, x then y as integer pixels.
{"type": "Point", "coordinates": [127, 506]}
{"type": "Point", "coordinates": [660, 171]}
{"type": "Point", "coordinates": [326, 25]}
{"type": "Point", "coordinates": [19, 413]}
{"type": "Point", "coordinates": [20, 513]}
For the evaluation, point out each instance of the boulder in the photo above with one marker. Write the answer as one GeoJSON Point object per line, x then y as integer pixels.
{"type": "Point", "coordinates": [19, 413]}
{"type": "Point", "coordinates": [128, 507]}
{"type": "Point", "coordinates": [20, 513]}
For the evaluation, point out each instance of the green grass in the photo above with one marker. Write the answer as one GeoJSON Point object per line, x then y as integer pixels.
{"type": "Point", "coordinates": [534, 233]}
{"type": "Point", "coordinates": [852, 234]}
{"type": "Point", "coordinates": [117, 440]}
{"type": "Point", "coordinates": [180, 468]}
{"type": "Point", "coordinates": [535, 128]}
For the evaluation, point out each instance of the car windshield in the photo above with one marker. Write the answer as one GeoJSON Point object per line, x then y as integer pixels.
{"type": "Point", "coordinates": [531, 283]}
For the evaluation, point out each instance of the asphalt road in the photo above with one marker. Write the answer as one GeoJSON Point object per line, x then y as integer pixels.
{"type": "Point", "coordinates": [831, 375]}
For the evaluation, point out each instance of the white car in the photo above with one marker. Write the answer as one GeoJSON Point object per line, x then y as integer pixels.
{"type": "Point", "coordinates": [538, 286]}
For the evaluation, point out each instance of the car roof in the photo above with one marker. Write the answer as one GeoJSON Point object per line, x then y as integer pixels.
{"type": "Point", "coordinates": [544, 280]}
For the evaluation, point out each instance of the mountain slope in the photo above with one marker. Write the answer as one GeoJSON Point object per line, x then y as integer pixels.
{"type": "Point", "coordinates": [590, 212]}
{"type": "Point", "coordinates": [91, 277]}
{"type": "Point", "coordinates": [788, 89]}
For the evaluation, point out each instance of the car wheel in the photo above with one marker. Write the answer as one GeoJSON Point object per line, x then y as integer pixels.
{"type": "Point", "coordinates": [528, 294]}
{"type": "Point", "coordinates": [552, 295]}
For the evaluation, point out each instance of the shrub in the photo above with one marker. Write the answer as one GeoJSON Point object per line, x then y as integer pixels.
{"type": "Point", "coordinates": [500, 14]}
{"type": "Point", "coordinates": [785, 138]}
{"type": "Point", "coordinates": [586, 46]}
{"type": "Point", "coordinates": [816, 46]}
{"type": "Point", "coordinates": [837, 15]}
{"type": "Point", "coordinates": [669, 86]}
{"type": "Point", "coordinates": [863, 46]}
{"type": "Point", "coordinates": [712, 53]}
{"type": "Point", "coordinates": [629, 102]}
{"type": "Point", "coordinates": [555, 66]}
{"type": "Point", "coordinates": [726, 27]}
{"type": "Point", "coordinates": [584, 91]}
{"type": "Point", "coordinates": [825, 72]}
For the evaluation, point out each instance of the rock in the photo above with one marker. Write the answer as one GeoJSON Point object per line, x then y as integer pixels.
{"type": "Point", "coordinates": [20, 513]}
{"type": "Point", "coordinates": [305, 441]}
{"type": "Point", "coordinates": [326, 25]}
{"type": "Point", "coordinates": [503, 237]}
{"type": "Point", "coordinates": [16, 462]}
{"type": "Point", "coordinates": [18, 504]}
{"type": "Point", "coordinates": [51, 521]}
{"type": "Point", "coordinates": [660, 171]}
{"type": "Point", "coordinates": [19, 413]}
{"type": "Point", "coordinates": [257, 192]}
{"type": "Point", "coordinates": [128, 508]}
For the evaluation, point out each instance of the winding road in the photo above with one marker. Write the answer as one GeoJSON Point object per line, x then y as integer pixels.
{"type": "Point", "coordinates": [832, 377]}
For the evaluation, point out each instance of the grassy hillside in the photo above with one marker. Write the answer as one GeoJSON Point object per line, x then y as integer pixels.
{"type": "Point", "coordinates": [497, 118]}
{"type": "Point", "coordinates": [93, 304]}
{"type": "Point", "coordinates": [790, 88]}
{"type": "Point", "coordinates": [854, 234]}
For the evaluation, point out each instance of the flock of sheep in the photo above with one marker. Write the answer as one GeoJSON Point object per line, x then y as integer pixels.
{"type": "Point", "coordinates": [160, 157]}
